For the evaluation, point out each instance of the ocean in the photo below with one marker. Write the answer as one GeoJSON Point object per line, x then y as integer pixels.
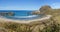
{"type": "Point", "coordinates": [20, 14]}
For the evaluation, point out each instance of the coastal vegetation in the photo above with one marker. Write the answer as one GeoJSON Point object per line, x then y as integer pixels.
{"type": "Point", "coordinates": [49, 25]}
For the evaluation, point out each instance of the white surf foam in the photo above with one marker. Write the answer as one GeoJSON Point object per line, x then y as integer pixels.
{"type": "Point", "coordinates": [25, 16]}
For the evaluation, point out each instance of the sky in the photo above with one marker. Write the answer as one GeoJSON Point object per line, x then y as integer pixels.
{"type": "Point", "coordinates": [27, 4]}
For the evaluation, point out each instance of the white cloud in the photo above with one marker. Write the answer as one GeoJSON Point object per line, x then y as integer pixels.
{"type": "Point", "coordinates": [55, 5]}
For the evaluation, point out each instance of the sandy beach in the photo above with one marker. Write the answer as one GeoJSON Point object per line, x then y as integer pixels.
{"type": "Point", "coordinates": [25, 21]}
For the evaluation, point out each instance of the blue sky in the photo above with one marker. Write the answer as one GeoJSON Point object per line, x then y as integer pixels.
{"type": "Point", "coordinates": [27, 4]}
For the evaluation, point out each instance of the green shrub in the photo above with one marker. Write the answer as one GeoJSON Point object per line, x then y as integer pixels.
{"type": "Point", "coordinates": [12, 26]}
{"type": "Point", "coordinates": [52, 28]}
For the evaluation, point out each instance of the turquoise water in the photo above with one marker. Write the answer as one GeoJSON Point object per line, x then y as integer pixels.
{"type": "Point", "coordinates": [21, 14]}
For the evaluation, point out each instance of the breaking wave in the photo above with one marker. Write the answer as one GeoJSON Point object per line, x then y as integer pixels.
{"type": "Point", "coordinates": [25, 16]}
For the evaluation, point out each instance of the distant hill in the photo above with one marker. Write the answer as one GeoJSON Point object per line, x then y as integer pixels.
{"type": "Point", "coordinates": [47, 10]}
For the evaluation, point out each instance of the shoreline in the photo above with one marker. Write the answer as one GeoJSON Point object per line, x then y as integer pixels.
{"type": "Point", "coordinates": [24, 21]}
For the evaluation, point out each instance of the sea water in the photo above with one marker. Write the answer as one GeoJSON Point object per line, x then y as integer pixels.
{"type": "Point", "coordinates": [21, 14]}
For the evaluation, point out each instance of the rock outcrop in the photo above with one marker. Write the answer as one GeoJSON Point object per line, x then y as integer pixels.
{"type": "Point", "coordinates": [36, 12]}
{"type": "Point", "coordinates": [11, 13]}
{"type": "Point", "coordinates": [7, 13]}
{"type": "Point", "coordinates": [45, 9]}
